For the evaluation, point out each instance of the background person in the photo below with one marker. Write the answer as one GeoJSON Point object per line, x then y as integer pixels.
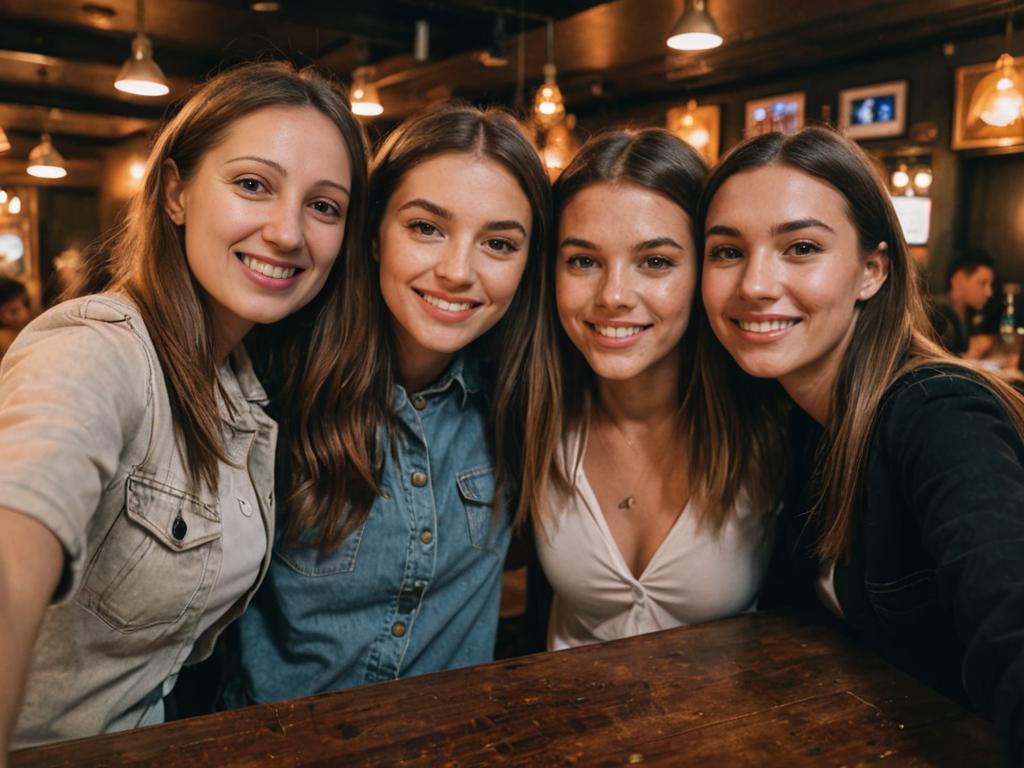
{"type": "Point", "coordinates": [968, 289]}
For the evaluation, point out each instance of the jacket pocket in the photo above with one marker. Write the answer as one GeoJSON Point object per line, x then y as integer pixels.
{"type": "Point", "coordinates": [476, 488]}
{"type": "Point", "coordinates": [907, 602]}
{"type": "Point", "coordinates": [154, 560]}
{"type": "Point", "coordinates": [307, 560]}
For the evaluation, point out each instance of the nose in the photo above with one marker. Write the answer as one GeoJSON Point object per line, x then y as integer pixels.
{"type": "Point", "coordinates": [760, 278]}
{"type": "Point", "coordinates": [283, 229]}
{"type": "Point", "coordinates": [454, 264]}
{"type": "Point", "coordinates": [616, 289]}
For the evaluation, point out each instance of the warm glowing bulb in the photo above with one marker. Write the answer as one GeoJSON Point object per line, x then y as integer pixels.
{"type": "Point", "coordinates": [14, 207]}
{"type": "Point", "coordinates": [137, 169]}
{"type": "Point", "coordinates": [900, 179]}
{"type": "Point", "coordinates": [923, 179]}
{"type": "Point", "coordinates": [3, 196]}
{"type": "Point", "coordinates": [699, 138]}
{"type": "Point", "coordinates": [1004, 84]}
{"type": "Point", "coordinates": [547, 107]}
{"type": "Point", "coordinates": [687, 120]}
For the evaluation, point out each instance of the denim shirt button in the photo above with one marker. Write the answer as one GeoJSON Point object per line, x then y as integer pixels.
{"type": "Point", "coordinates": [398, 629]}
{"type": "Point", "coordinates": [419, 402]}
{"type": "Point", "coordinates": [419, 479]}
{"type": "Point", "coordinates": [426, 536]}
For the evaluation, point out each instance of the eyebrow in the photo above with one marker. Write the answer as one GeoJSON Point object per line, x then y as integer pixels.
{"type": "Point", "coordinates": [281, 169]}
{"type": "Point", "coordinates": [444, 213]}
{"type": "Point", "coordinates": [646, 245]}
{"type": "Point", "coordinates": [778, 229]}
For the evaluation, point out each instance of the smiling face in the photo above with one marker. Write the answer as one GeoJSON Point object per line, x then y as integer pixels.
{"type": "Point", "coordinates": [264, 216]}
{"type": "Point", "coordinates": [625, 278]}
{"type": "Point", "coordinates": [783, 272]}
{"type": "Point", "coordinates": [453, 245]}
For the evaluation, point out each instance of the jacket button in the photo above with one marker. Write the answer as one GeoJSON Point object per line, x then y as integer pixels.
{"type": "Point", "coordinates": [419, 479]}
{"type": "Point", "coordinates": [426, 536]}
{"type": "Point", "coordinates": [398, 629]}
{"type": "Point", "coordinates": [419, 402]}
{"type": "Point", "coordinates": [179, 528]}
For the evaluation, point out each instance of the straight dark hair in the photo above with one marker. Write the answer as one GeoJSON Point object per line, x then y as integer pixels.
{"type": "Point", "coordinates": [335, 490]}
{"type": "Point", "coordinates": [892, 334]}
{"type": "Point", "coordinates": [145, 258]}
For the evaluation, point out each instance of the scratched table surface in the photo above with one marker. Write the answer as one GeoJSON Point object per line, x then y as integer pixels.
{"type": "Point", "coordinates": [756, 690]}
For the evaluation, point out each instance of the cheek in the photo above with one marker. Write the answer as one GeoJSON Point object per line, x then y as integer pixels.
{"type": "Point", "coordinates": [501, 281]}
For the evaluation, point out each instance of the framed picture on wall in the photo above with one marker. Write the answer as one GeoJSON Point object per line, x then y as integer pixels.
{"type": "Point", "coordinates": [969, 130]}
{"type": "Point", "coordinates": [697, 126]}
{"type": "Point", "coordinates": [874, 111]}
{"type": "Point", "coordinates": [776, 113]}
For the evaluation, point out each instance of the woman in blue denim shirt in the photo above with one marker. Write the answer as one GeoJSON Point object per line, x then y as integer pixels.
{"type": "Point", "coordinates": [390, 555]}
{"type": "Point", "coordinates": [136, 462]}
{"type": "Point", "coordinates": [907, 517]}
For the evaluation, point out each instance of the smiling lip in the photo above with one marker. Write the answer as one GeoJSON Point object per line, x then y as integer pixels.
{"type": "Point", "coordinates": [268, 273]}
{"type": "Point", "coordinates": [449, 309]}
{"type": "Point", "coordinates": [764, 328]}
{"type": "Point", "coordinates": [616, 335]}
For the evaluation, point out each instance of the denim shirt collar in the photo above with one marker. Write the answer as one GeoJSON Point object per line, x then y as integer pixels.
{"type": "Point", "coordinates": [462, 374]}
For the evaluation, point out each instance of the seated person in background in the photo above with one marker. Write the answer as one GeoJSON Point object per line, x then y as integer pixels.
{"type": "Point", "coordinates": [15, 311]}
{"type": "Point", "coordinates": [637, 527]}
{"type": "Point", "coordinates": [968, 287]}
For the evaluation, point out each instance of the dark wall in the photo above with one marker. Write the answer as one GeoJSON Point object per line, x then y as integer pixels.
{"type": "Point", "coordinates": [930, 72]}
{"type": "Point", "coordinates": [995, 202]}
{"type": "Point", "coordinates": [68, 218]}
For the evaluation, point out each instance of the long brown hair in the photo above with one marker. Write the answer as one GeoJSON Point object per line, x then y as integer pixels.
{"type": "Point", "coordinates": [892, 334]}
{"type": "Point", "coordinates": [335, 488]}
{"type": "Point", "coordinates": [147, 254]}
{"type": "Point", "coordinates": [659, 161]}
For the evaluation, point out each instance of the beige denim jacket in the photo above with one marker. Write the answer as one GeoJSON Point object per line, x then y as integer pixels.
{"type": "Point", "coordinates": [87, 447]}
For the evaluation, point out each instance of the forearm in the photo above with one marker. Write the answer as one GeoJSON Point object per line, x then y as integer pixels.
{"type": "Point", "coordinates": [31, 559]}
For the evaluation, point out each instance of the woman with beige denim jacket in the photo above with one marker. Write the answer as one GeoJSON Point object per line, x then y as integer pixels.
{"type": "Point", "coordinates": [136, 464]}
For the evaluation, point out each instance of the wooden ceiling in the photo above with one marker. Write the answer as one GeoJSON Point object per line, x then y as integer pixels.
{"type": "Point", "coordinates": [59, 58]}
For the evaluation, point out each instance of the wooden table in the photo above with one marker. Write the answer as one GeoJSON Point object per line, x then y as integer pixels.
{"type": "Point", "coordinates": [756, 690]}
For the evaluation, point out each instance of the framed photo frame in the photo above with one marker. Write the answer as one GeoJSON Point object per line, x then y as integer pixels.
{"type": "Point", "coordinates": [874, 111]}
{"type": "Point", "coordinates": [970, 131]}
{"type": "Point", "coordinates": [700, 127]}
{"type": "Point", "coordinates": [784, 113]}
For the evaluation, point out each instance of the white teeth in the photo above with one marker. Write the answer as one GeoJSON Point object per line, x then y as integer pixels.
{"type": "Point", "coordinates": [618, 332]}
{"type": "Point", "coordinates": [267, 269]}
{"type": "Point", "coordinates": [765, 326]}
{"type": "Point", "coordinates": [447, 306]}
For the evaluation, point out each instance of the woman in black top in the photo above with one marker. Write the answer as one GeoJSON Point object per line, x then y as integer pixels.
{"type": "Point", "coordinates": [913, 527]}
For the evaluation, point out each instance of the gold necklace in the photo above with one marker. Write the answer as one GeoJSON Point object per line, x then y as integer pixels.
{"type": "Point", "coordinates": [630, 499]}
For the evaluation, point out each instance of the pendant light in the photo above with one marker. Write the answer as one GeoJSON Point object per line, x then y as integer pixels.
{"type": "Point", "coordinates": [365, 99]}
{"type": "Point", "coordinates": [695, 30]}
{"type": "Point", "coordinates": [998, 99]}
{"type": "Point", "coordinates": [14, 207]}
{"type": "Point", "coordinates": [548, 106]}
{"type": "Point", "coordinates": [5, 143]}
{"type": "Point", "coordinates": [45, 162]}
{"type": "Point", "coordinates": [140, 75]}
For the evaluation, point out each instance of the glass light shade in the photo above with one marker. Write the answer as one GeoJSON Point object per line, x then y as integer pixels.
{"type": "Point", "coordinates": [548, 105]}
{"type": "Point", "coordinates": [366, 100]}
{"type": "Point", "coordinates": [45, 162]}
{"type": "Point", "coordinates": [14, 207]}
{"type": "Point", "coordinates": [695, 30]}
{"type": "Point", "coordinates": [5, 143]}
{"type": "Point", "coordinates": [140, 75]}
{"type": "Point", "coordinates": [998, 99]}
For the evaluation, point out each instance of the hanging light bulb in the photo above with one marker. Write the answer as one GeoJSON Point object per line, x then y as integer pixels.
{"type": "Point", "coordinates": [923, 178]}
{"type": "Point", "coordinates": [548, 105]}
{"type": "Point", "coordinates": [140, 75]}
{"type": "Point", "coordinates": [45, 162]}
{"type": "Point", "coordinates": [14, 207]}
{"type": "Point", "coordinates": [3, 196]}
{"type": "Point", "coordinates": [900, 178]}
{"type": "Point", "coordinates": [695, 30]}
{"type": "Point", "coordinates": [998, 99]}
{"type": "Point", "coordinates": [5, 143]}
{"type": "Point", "coordinates": [365, 99]}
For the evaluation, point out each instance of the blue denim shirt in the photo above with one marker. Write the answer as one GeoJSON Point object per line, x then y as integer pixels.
{"type": "Point", "coordinates": [415, 589]}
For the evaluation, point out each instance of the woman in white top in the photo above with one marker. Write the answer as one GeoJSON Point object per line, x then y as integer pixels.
{"type": "Point", "coordinates": [635, 531]}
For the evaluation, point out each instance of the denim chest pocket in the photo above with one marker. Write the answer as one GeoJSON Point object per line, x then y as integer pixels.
{"type": "Point", "coordinates": [476, 489]}
{"type": "Point", "coordinates": [908, 602]}
{"type": "Point", "coordinates": [306, 560]}
{"type": "Point", "coordinates": [154, 560]}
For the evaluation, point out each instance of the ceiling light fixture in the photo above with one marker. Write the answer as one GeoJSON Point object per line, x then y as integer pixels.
{"type": "Point", "coordinates": [421, 41]}
{"type": "Point", "coordinates": [695, 30]}
{"type": "Point", "coordinates": [998, 99]}
{"type": "Point", "coordinates": [548, 105]}
{"type": "Point", "coordinates": [5, 143]}
{"type": "Point", "coordinates": [45, 162]}
{"type": "Point", "coordinates": [365, 99]}
{"type": "Point", "coordinates": [140, 75]}
{"type": "Point", "coordinates": [14, 207]}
